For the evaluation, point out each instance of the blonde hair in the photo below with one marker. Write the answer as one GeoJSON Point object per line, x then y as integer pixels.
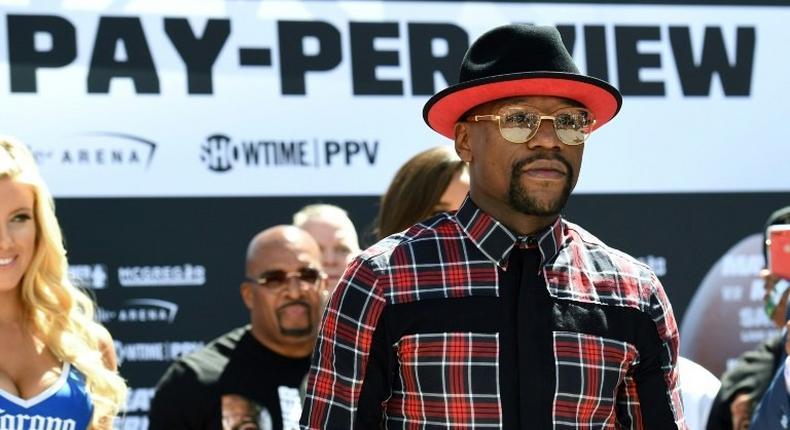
{"type": "Point", "coordinates": [61, 314]}
{"type": "Point", "coordinates": [320, 210]}
{"type": "Point", "coordinates": [330, 213]}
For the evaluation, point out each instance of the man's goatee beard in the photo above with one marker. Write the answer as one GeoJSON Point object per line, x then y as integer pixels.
{"type": "Point", "coordinates": [520, 200]}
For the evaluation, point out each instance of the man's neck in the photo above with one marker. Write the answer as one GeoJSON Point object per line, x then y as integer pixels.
{"type": "Point", "coordinates": [520, 223]}
{"type": "Point", "coordinates": [295, 350]}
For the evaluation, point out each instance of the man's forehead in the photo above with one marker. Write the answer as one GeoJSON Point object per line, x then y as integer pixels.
{"type": "Point", "coordinates": [293, 247]}
{"type": "Point", "coordinates": [284, 257]}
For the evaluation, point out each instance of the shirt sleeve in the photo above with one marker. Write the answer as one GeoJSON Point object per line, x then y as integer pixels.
{"type": "Point", "coordinates": [654, 402]}
{"type": "Point", "coordinates": [342, 350]}
{"type": "Point", "coordinates": [176, 402]}
{"type": "Point", "coordinates": [751, 375]}
{"type": "Point", "coordinates": [774, 408]}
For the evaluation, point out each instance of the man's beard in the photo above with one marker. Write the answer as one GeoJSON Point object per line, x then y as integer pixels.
{"type": "Point", "coordinates": [519, 198]}
{"type": "Point", "coordinates": [297, 332]}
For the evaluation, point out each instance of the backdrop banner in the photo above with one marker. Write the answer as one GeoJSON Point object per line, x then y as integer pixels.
{"type": "Point", "coordinates": [218, 98]}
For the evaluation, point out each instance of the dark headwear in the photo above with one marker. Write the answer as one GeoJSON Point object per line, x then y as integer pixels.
{"type": "Point", "coordinates": [519, 60]}
{"type": "Point", "coordinates": [781, 216]}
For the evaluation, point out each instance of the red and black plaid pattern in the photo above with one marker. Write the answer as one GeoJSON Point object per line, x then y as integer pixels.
{"type": "Point", "coordinates": [447, 380]}
{"type": "Point", "coordinates": [458, 255]}
{"type": "Point", "coordinates": [590, 370]}
{"type": "Point", "coordinates": [343, 347]}
{"type": "Point", "coordinates": [629, 410]}
{"type": "Point", "coordinates": [589, 271]}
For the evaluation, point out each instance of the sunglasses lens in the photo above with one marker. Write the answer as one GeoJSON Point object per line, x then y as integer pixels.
{"type": "Point", "coordinates": [573, 125]}
{"type": "Point", "coordinates": [309, 275]}
{"type": "Point", "coordinates": [274, 277]}
{"type": "Point", "coordinates": [518, 125]}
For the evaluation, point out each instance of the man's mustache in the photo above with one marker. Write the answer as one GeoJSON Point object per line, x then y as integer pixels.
{"type": "Point", "coordinates": [518, 166]}
{"type": "Point", "coordinates": [294, 302]}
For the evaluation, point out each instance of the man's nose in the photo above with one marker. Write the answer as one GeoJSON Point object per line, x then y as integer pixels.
{"type": "Point", "coordinates": [295, 286]}
{"type": "Point", "coordinates": [545, 137]}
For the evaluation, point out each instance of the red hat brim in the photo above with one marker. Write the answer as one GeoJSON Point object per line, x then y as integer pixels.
{"type": "Point", "coordinates": [444, 109]}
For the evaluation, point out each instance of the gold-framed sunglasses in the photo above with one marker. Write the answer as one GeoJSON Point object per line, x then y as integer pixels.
{"type": "Point", "coordinates": [519, 124]}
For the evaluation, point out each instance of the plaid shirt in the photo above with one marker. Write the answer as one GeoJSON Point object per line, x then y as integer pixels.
{"type": "Point", "coordinates": [458, 323]}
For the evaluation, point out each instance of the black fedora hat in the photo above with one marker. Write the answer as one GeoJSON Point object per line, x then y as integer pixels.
{"type": "Point", "coordinates": [518, 60]}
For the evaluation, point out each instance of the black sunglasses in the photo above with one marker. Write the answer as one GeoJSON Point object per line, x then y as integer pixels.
{"type": "Point", "coordinates": [276, 279]}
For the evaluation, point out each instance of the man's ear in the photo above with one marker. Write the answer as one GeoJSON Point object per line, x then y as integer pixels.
{"type": "Point", "coordinates": [246, 294]}
{"type": "Point", "coordinates": [462, 144]}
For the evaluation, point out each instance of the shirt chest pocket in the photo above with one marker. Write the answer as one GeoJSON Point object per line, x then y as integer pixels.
{"type": "Point", "coordinates": [592, 376]}
{"type": "Point", "coordinates": [448, 378]}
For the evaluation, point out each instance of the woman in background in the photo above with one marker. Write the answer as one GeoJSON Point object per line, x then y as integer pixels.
{"type": "Point", "coordinates": [57, 364]}
{"type": "Point", "coordinates": [433, 181]}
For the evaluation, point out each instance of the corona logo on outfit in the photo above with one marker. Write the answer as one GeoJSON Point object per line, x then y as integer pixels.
{"type": "Point", "coordinates": [24, 421]}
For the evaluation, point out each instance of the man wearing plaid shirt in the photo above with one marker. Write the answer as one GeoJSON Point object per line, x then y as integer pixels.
{"type": "Point", "coordinates": [502, 314]}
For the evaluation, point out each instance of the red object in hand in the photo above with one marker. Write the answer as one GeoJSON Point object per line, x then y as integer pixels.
{"type": "Point", "coordinates": [779, 250]}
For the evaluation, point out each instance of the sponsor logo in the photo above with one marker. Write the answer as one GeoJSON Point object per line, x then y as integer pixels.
{"type": "Point", "coordinates": [22, 421]}
{"type": "Point", "coordinates": [153, 351]}
{"type": "Point", "coordinates": [218, 154]}
{"type": "Point", "coordinates": [99, 149]}
{"type": "Point", "coordinates": [93, 276]}
{"type": "Point", "coordinates": [140, 310]}
{"type": "Point", "coordinates": [162, 276]}
{"type": "Point", "coordinates": [221, 153]}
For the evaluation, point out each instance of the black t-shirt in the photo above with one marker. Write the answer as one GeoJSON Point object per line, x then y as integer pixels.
{"type": "Point", "coordinates": [236, 378]}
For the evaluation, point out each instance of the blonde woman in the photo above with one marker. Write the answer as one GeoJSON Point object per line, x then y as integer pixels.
{"type": "Point", "coordinates": [57, 365]}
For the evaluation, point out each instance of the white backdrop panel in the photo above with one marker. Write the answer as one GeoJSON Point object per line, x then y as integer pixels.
{"type": "Point", "coordinates": [331, 141]}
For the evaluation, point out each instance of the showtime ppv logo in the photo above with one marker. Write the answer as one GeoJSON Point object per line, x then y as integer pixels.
{"type": "Point", "coordinates": [164, 352]}
{"type": "Point", "coordinates": [221, 154]}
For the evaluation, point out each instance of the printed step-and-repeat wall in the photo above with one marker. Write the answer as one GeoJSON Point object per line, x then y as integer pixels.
{"type": "Point", "coordinates": [172, 132]}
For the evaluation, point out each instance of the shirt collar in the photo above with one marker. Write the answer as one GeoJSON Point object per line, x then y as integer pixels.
{"type": "Point", "coordinates": [496, 241]}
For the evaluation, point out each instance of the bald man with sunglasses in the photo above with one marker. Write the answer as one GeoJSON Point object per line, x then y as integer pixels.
{"type": "Point", "coordinates": [502, 315]}
{"type": "Point", "coordinates": [260, 366]}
